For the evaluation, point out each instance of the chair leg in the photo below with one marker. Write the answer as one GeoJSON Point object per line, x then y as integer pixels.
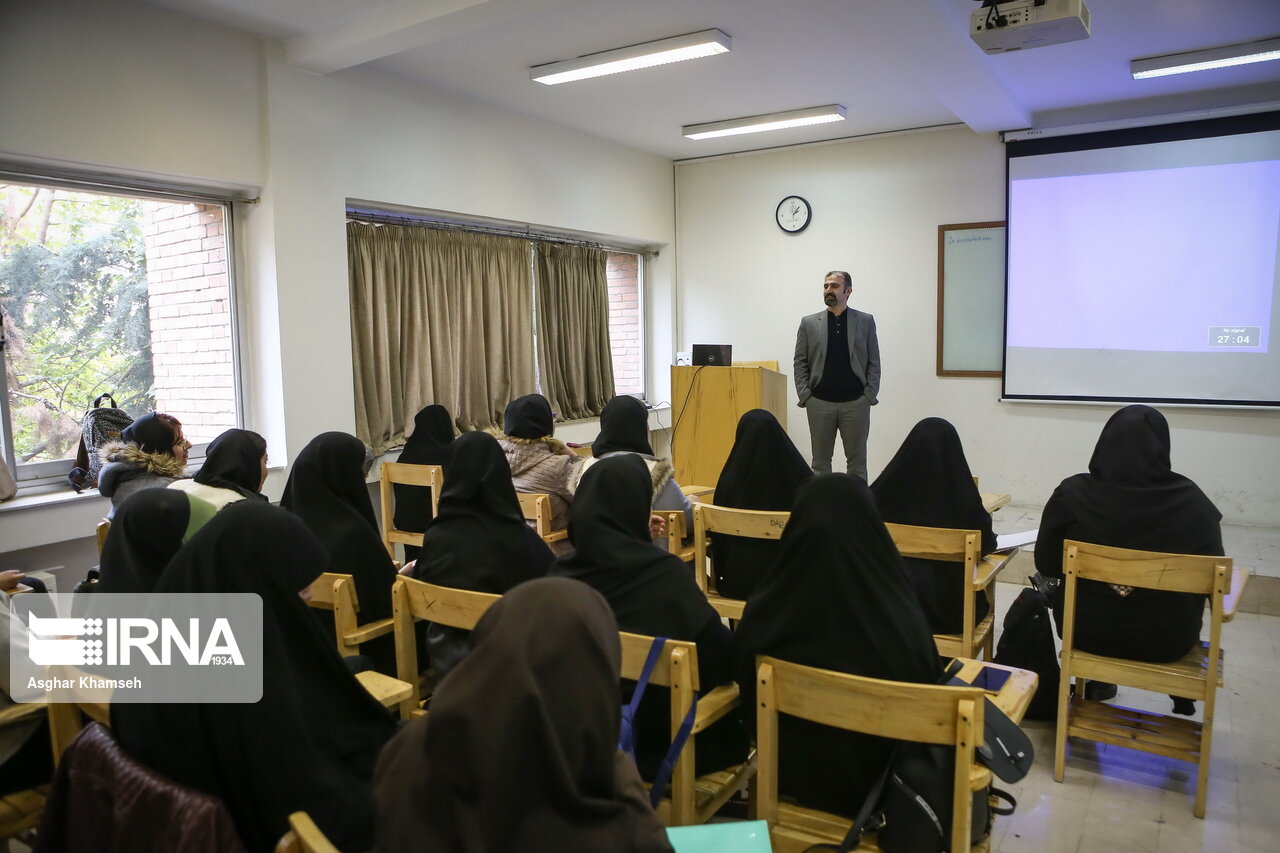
{"type": "Point", "coordinates": [1060, 735]}
{"type": "Point", "coordinates": [1206, 745]}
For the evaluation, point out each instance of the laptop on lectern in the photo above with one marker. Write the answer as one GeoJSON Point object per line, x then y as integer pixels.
{"type": "Point", "coordinates": [714, 355]}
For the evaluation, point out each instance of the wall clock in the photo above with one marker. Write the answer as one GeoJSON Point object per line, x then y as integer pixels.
{"type": "Point", "coordinates": [793, 214]}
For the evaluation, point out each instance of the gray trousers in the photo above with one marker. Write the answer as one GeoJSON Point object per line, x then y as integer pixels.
{"type": "Point", "coordinates": [853, 420]}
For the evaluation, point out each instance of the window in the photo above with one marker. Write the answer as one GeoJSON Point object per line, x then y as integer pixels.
{"type": "Point", "coordinates": [567, 323]}
{"type": "Point", "coordinates": [626, 327]}
{"type": "Point", "coordinates": [110, 294]}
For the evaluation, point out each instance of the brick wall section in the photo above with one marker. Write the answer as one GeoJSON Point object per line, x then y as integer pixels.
{"type": "Point", "coordinates": [190, 315]}
{"type": "Point", "coordinates": [625, 328]}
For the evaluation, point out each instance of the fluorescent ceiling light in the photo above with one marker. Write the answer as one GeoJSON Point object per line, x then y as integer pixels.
{"type": "Point", "coordinates": [1204, 60]}
{"type": "Point", "coordinates": [647, 55]}
{"type": "Point", "coordinates": [772, 121]}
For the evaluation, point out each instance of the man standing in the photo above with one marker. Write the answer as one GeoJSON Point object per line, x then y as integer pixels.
{"type": "Point", "coordinates": [837, 373]}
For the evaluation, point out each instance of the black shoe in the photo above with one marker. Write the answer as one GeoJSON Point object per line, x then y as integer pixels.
{"type": "Point", "coordinates": [1182, 705]}
{"type": "Point", "coordinates": [1099, 691]}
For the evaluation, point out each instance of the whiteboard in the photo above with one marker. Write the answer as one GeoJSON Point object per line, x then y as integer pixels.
{"type": "Point", "coordinates": [971, 259]}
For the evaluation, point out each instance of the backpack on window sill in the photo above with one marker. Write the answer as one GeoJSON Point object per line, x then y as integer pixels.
{"type": "Point", "coordinates": [102, 424]}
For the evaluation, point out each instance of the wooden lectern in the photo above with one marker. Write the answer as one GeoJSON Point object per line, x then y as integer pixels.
{"type": "Point", "coordinates": [707, 403]}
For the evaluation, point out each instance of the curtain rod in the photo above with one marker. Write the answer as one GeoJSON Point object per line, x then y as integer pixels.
{"type": "Point", "coordinates": [379, 218]}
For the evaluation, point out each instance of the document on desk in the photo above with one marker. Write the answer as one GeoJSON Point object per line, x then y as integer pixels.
{"type": "Point", "coordinates": [1009, 541]}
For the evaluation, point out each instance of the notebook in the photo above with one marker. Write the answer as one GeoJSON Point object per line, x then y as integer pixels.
{"type": "Point", "coordinates": [741, 836]}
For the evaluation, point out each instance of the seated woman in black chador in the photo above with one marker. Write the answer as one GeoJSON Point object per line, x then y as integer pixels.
{"type": "Point", "coordinates": [520, 750]}
{"type": "Point", "coordinates": [310, 743]}
{"type": "Point", "coordinates": [327, 490]}
{"type": "Point", "coordinates": [429, 445]}
{"type": "Point", "coordinates": [763, 472]}
{"type": "Point", "coordinates": [928, 484]}
{"type": "Point", "coordinates": [651, 592]}
{"type": "Point", "coordinates": [1131, 498]}
{"type": "Point", "coordinates": [235, 467]}
{"type": "Point", "coordinates": [836, 598]}
{"type": "Point", "coordinates": [479, 540]}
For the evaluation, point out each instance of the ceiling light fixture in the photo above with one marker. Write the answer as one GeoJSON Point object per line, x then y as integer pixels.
{"type": "Point", "coordinates": [647, 55]}
{"type": "Point", "coordinates": [771, 121]}
{"type": "Point", "coordinates": [1204, 60]}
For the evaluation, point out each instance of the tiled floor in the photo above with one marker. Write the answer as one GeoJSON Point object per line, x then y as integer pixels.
{"type": "Point", "coordinates": [1121, 800]}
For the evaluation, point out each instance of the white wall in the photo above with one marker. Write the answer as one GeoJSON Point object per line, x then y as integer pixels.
{"type": "Point", "coordinates": [877, 204]}
{"type": "Point", "coordinates": [137, 89]}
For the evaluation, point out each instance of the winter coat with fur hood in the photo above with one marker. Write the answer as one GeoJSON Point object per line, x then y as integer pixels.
{"type": "Point", "coordinates": [128, 468]}
{"type": "Point", "coordinates": [544, 465]}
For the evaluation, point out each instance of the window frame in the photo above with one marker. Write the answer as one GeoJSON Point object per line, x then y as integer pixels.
{"type": "Point", "coordinates": [48, 476]}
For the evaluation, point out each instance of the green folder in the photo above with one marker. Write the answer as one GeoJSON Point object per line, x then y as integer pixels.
{"type": "Point", "coordinates": [741, 836]}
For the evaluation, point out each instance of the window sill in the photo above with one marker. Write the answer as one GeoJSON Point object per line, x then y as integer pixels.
{"type": "Point", "coordinates": [47, 499]}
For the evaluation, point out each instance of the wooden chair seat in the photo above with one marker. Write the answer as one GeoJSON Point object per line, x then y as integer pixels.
{"type": "Point", "coordinates": [1196, 676]}
{"type": "Point", "coordinates": [1186, 677]}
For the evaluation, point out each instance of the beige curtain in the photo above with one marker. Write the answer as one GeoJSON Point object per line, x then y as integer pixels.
{"type": "Point", "coordinates": [436, 317]}
{"type": "Point", "coordinates": [573, 329]}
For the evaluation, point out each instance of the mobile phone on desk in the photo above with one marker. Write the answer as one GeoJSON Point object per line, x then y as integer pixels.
{"type": "Point", "coordinates": [991, 679]}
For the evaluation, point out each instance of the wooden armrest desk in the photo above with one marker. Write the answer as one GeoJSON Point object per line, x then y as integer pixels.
{"type": "Point", "coordinates": [1015, 696]}
{"type": "Point", "coordinates": [992, 501]}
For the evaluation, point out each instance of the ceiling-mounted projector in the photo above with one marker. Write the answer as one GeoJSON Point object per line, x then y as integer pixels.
{"type": "Point", "coordinates": [1024, 24]}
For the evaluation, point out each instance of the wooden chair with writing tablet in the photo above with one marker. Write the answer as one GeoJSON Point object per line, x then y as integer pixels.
{"type": "Point", "coordinates": [693, 799]}
{"type": "Point", "coordinates": [393, 474]}
{"type": "Point", "coordinates": [1196, 676]}
{"type": "Point", "coordinates": [337, 593]}
{"type": "Point", "coordinates": [921, 713]}
{"type": "Point", "coordinates": [536, 507]}
{"type": "Point", "coordinates": [304, 837]}
{"type": "Point", "coordinates": [963, 547]}
{"type": "Point", "coordinates": [415, 601]}
{"type": "Point", "coordinates": [747, 523]}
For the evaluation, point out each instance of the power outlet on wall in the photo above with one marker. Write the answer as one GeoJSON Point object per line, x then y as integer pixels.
{"type": "Point", "coordinates": [684, 358]}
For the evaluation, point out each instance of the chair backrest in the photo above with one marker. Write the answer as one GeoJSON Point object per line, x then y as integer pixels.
{"type": "Point", "coordinates": [677, 670]}
{"type": "Point", "coordinates": [102, 529]}
{"type": "Point", "coordinates": [748, 523]}
{"type": "Point", "coordinates": [404, 474]}
{"type": "Point", "coordinates": [1191, 573]}
{"type": "Point", "coordinates": [536, 507]}
{"type": "Point", "coordinates": [947, 544]}
{"type": "Point", "coordinates": [413, 601]}
{"type": "Point", "coordinates": [922, 713]}
{"type": "Point", "coordinates": [304, 837]}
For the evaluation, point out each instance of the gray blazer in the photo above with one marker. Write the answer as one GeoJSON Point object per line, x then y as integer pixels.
{"type": "Point", "coordinates": [811, 353]}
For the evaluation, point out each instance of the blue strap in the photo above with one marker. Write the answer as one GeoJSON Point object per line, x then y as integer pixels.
{"type": "Point", "coordinates": [627, 735]}
{"type": "Point", "coordinates": [668, 764]}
